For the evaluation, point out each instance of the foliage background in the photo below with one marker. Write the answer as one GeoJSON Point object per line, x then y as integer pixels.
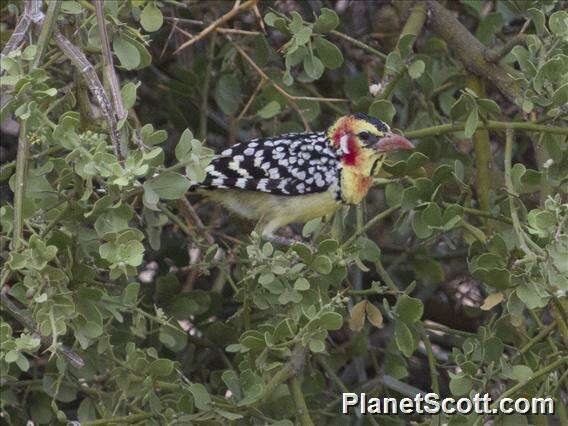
{"type": "Point", "coordinates": [125, 302]}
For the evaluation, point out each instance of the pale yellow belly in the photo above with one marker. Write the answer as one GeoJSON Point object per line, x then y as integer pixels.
{"type": "Point", "coordinates": [275, 211]}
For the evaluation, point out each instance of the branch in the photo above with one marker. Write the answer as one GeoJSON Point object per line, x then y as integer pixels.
{"type": "Point", "coordinates": [489, 125]}
{"type": "Point", "coordinates": [301, 408]}
{"type": "Point", "coordinates": [482, 148]}
{"type": "Point", "coordinates": [46, 31]}
{"type": "Point", "coordinates": [470, 51]}
{"type": "Point", "coordinates": [536, 375]}
{"type": "Point", "coordinates": [228, 16]}
{"type": "Point", "coordinates": [108, 64]}
{"type": "Point", "coordinates": [79, 59]}
{"type": "Point", "coordinates": [32, 13]}
{"type": "Point", "coordinates": [20, 186]}
{"type": "Point", "coordinates": [382, 56]}
{"type": "Point", "coordinates": [23, 318]}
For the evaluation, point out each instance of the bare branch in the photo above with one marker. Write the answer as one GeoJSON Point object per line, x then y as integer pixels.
{"type": "Point", "coordinates": [32, 13]}
{"type": "Point", "coordinates": [226, 17]}
{"type": "Point", "coordinates": [470, 50]}
{"type": "Point", "coordinates": [108, 64]}
{"type": "Point", "coordinates": [78, 58]}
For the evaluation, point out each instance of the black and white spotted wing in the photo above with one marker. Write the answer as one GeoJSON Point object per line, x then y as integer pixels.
{"type": "Point", "coordinates": [291, 164]}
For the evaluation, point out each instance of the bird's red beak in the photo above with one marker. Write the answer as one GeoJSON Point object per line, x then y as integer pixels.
{"type": "Point", "coordinates": [393, 142]}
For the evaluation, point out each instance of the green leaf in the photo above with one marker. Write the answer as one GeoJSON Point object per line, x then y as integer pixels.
{"type": "Point", "coordinates": [322, 264]}
{"type": "Point", "coordinates": [521, 373]}
{"type": "Point", "coordinates": [130, 296]}
{"type": "Point", "coordinates": [128, 94]}
{"type": "Point", "coordinates": [329, 53]}
{"type": "Point", "coordinates": [183, 147]}
{"type": "Point", "coordinates": [409, 309]}
{"type": "Point", "coordinates": [169, 185]}
{"type": "Point", "coordinates": [301, 284]}
{"type": "Point", "coordinates": [488, 27]}
{"type": "Point", "coordinates": [331, 321]}
{"type": "Point", "coordinates": [368, 249]}
{"type": "Point", "coordinates": [126, 52]}
{"type": "Point", "coordinates": [383, 110]}
{"type": "Point", "coordinates": [403, 338]}
{"type": "Point", "coordinates": [313, 66]}
{"type": "Point", "coordinates": [416, 69]}
{"type": "Point", "coordinates": [420, 228]}
{"type": "Point", "coordinates": [228, 94]}
{"type": "Point", "coordinates": [71, 7]}
{"type": "Point", "coordinates": [269, 110]}
{"type": "Point", "coordinates": [200, 395]}
{"type": "Point", "coordinates": [558, 23]}
{"type": "Point", "coordinates": [393, 193]}
{"type": "Point", "coordinates": [327, 21]}
{"type": "Point", "coordinates": [161, 367]}
{"type": "Point", "coordinates": [489, 106]}
{"type": "Point", "coordinates": [432, 215]}
{"type": "Point", "coordinates": [317, 346]}
{"type": "Point", "coordinates": [460, 385]}
{"type": "Point", "coordinates": [151, 18]}
{"type": "Point", "coordinates": [471, 123]}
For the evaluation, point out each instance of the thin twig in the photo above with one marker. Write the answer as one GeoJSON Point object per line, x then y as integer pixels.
{"type": "Point", "coordinates": [175, 20]}
{"type": "Point", "coordinates": [108, 64]}
{"type": "Point", "coordinates": [188, 208]}
{"type": "Point", "coordinates": [290, 98]}
{"type": "Point", "coordinates": [79, 59]}
{"type": "Point", "coordinates": [251, 99]}
{"type": "Point", "coordinates": [512, 193]}
{"type": "Point", "coordinates": [226, 17]}
{"type": "Point", "coordinates": [379, 217]}
{"type": "Point", "coordinates": [497, 54]}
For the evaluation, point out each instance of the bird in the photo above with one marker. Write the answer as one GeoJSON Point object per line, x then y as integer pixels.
{"type": "Point", "coordinates": [296, 177]}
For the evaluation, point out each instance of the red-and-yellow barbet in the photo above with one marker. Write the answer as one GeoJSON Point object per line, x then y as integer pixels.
{"type": "Point", "coordinates": [300, 176]}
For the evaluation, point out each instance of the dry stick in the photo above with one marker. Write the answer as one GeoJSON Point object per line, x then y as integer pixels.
{"type": "Point", "coordinates": [79, 59]}
{"type": "Point", "coordinates": [46, 30]}
{"type": "Point", "coordinates": [108, 64]}
{"type": "Point", "coordinates": [470, 50]}
{"type": "Point", "coordinates": [176, 20]}
{"type": "Point", "coordinates": [188, 208]}
{"type": "Point", "coordinates": [251, 99]}
{"type": "Point", "coordinates": [32, 13]}
{"type": "Point", "coordinates": [228, 16]}
{"type": "Point", "coordinates": [290, 98]}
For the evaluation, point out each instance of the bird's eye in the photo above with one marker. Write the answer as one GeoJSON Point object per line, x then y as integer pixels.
{"type": "Point", "coordinates": [364, 136]}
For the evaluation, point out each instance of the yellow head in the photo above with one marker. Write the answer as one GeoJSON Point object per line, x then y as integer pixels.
{"type": "Point", "coordinates": [361, 141]}
{"type": "Point", "coordinates": [362, 138]}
